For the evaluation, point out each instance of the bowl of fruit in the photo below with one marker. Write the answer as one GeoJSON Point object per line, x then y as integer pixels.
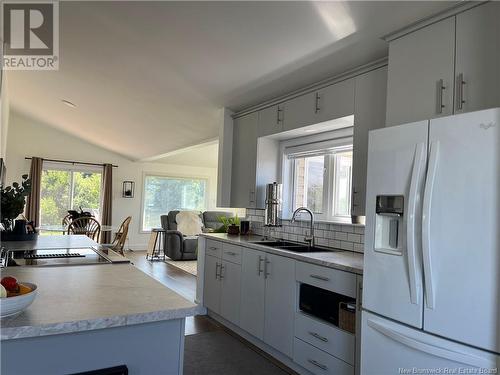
{"type": "Point", "coordinates": [15, 296]}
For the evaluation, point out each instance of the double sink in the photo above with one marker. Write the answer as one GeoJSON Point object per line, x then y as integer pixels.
{"type": "Point", "coordinates": [294, 246]}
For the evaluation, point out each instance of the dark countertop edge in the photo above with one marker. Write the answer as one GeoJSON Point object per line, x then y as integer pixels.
{"type": "Point", "coordinates": [289, 254]}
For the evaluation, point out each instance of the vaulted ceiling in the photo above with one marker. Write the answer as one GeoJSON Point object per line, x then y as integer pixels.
{"type": "Point", "coordinates": [150, 77]}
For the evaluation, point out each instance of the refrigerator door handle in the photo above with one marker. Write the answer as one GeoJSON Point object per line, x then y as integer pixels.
{"type": "Point", "coordinates": [418, 164]}
{"type": "Point", "coordinates": [426, 224]}
{"type": "Point", "coordinates": [431, 348]}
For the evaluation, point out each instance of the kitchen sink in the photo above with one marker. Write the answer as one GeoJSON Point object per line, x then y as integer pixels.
{"type": "Point", "coordinates": [294, 246]}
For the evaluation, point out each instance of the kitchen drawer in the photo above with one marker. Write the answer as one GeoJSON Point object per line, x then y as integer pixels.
{"type": "Point", "coordinates": [326, 337]}
{"type": "Point", "coordinates": [317, 361]}
{"type": "Point", "coordinates": [327, 278]}
{"type": "Point", "coordinates": [214, 248]}
{"type": "Point", "coordinates": [231, 253]}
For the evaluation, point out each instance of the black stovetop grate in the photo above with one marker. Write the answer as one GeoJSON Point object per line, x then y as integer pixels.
{"type": "Point", "coordinates": [54, 255]}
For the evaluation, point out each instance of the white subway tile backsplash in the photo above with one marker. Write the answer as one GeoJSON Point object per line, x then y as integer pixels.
{"type": "Point", "coordinates": [341, 236]}
{"type": "Point", "coordinates": [359, 247]}
{"type": "Point", "coordinates": [359, 230]}
{"type": "Point", "coordinates": [345, 245]}
{"type": "Point", "coordinates": [353, 237]}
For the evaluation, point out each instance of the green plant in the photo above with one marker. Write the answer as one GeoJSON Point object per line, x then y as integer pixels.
{"type": "Point", "coordinates": [226, 222]}
{"type": "Point", "coordinates": [13, 200]}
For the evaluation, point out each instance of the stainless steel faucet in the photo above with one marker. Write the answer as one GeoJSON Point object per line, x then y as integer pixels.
{"type": "Point", "coordinates": [308, 238]}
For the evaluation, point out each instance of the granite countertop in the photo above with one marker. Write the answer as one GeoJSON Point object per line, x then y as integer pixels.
{"type": "Point", "coordinates": [82, 298]}
{"type": "Point", "coordinates": [339, 259]}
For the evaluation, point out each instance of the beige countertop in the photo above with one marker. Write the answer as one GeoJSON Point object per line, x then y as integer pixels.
{"type": "Point", "coordinates": [81, 298]}
{"type": "Point", "coordinates": [339, 259]}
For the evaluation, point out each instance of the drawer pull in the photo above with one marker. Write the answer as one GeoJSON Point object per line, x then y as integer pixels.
{"type": "Point", "coordinates": [230, 253]}
{"type": "Point", "coordinates": [317, 364]}
{"type": "Point", "coordinates": [322, 278]}
{"type": "Point", "coordinates": [212, 248]}
{"type": "Point", "coordinates": [318, 336]}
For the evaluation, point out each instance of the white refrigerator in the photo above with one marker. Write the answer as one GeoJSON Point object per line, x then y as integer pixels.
{"type": "Point", "coordinates": [431, 283]}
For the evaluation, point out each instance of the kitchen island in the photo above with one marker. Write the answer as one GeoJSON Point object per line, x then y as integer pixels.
{"type": "Point", "coordinates": [94, 317]}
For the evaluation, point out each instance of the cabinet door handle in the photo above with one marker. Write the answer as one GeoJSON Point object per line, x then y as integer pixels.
{"type": "Point", "coordinates": [221, 274]}
{"type": "Point", "coordinates": [317, 364]}
{"type": "Point", "coordinates": [278, 118]}
{"type": "Point", "coordinates": [316, 105]}
{"type": "Point", "coordinates": [259, 268]}
{"type": "Point", "coordinates": [318, 336]}
{"type": "Point", "coordinates": [460, 91]}
{"type": "Point", "coordinates": [266, 274]}
{"type": "Point", "coordinates": [217, 274]}
{"type": "Point", "coordinates": [359, 297]}
{"type": "Point", "coordinates": [319, 277]}
{"type": "Point", "coordinates": [440, 87]}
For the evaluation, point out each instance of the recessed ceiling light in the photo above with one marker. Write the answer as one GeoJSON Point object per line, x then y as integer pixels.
{"type": "Point", "coordinates": [68, 103]}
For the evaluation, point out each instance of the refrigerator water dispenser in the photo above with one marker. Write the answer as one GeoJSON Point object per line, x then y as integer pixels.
{"type": "Point", "coordinates": [389, 224]}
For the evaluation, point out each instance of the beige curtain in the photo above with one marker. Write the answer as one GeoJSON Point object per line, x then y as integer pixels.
{"type": "Point", "coordinates": [107, 201]}
{"type": "Point", "coordinates": [33, 201]}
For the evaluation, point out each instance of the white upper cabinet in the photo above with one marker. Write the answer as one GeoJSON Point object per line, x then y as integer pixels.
{"type": "Point", "coordinates": [325, 104]}
{"type": "Point", "coordinates": [369, 114]}
{"type": "Point", "coordinates": [271, 120]}
{"type": "Point", "coordinates": [478, 58]}
{"type": "Point", "coordinates": [421, 74]}
{"type": "Point", "coordinates": [335, 101]}
{"type": "Point", "coordinates": [299, 112]}
{"type": "Point", "coordinates": [243, 176]}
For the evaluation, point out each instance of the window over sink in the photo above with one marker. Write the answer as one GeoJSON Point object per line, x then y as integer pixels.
{"type": "Point", "coordinates": [318, 176]}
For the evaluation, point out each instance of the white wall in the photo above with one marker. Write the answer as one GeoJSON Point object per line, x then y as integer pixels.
{"type": "Point", "coordinates": [4, 114]}
{"type": "Point", "coordinates": [28, 137]}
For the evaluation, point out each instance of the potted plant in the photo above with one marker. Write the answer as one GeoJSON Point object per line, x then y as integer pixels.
{"type": "Point", "coordinates": [230, 225]}
{"type": "Point", "coordinates": [13, 200]}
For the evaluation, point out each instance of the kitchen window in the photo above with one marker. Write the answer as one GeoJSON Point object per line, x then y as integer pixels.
{"type": "Point", "coordinates": [319, 176]}
{"type": "Point", "coordinates": [66, 187]}
{"type": "Point", "coordinates": [164, 193]}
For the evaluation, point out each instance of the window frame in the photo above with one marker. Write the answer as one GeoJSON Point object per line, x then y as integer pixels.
{"type": "Point", "coordinates": [171, 176]}
{"type": "Point", "coordinates": [73, 168]}
{"type": "Point", "coordinates": [338, 141]}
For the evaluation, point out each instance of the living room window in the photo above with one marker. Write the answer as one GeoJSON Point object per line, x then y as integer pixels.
{"type": "Point", "coordinates": [318, 176]}
{"type": "Point", "coordinates": [165, 193]}
{"type": "Point", "coordinates": [66, 187]}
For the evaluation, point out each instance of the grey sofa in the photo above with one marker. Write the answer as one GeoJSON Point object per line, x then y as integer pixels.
{"type": "Point", "coordinates": [180, 247]}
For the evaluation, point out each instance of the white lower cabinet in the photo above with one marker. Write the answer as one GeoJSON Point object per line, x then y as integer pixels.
{"type": "Point", "coordinates": [328, 338]}
{"type": "Point", "coordinates": [319, 362]}
{"type": "Point", "coordinates": [230, 275]}
{"type": "Point", "coordinates": [268, 299]}
{"type": "Point", "coordinates": [258, 291]}
{"type": "Point", "coordinates": [253, 289]}
{"type": "Point", "coordinates": [211, 295]}
{"type": "Point", "coordinates": [280, 303]}
{"type": "Point", "coordinates": [222, 288]}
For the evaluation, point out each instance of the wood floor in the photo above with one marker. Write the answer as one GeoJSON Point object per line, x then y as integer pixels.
{"type": "Point", "coordinates": [179, 281]}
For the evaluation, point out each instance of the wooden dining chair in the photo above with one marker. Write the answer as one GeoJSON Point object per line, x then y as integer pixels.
{"type": "Point", "coordinates": [87, 226]}
{"type": "Point", "coordinates": [121, 236]}
{"type": "Point", "coordinates": [66, 221]}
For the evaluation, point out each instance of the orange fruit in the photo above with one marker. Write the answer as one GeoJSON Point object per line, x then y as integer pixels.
{"type": "Point", "coordinates": [24, 289]}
